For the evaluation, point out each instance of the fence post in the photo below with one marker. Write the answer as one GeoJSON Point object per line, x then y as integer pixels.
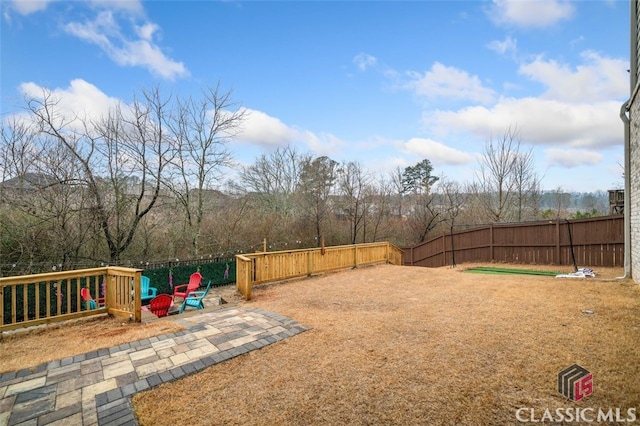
{"type": "Point", "coordinates": [243, 275]}
{"type": "Point", "coordinates": [240, 275]}
{"type": "Point", "coordinates": [247, 281]}
{"type": "Point", "coordinates": [137, 301]}
{"type": "Point", "coordinates": [309, 263]}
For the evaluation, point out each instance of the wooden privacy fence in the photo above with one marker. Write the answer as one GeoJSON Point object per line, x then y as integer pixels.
{"type": "Point", "coordinates": [592, 242]}
{"type": "Point", "coordinates": [29, 300]}
{"type": "Point", "coordinates": [257, 268]}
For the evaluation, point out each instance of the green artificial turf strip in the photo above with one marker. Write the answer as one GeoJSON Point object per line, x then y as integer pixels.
{"type": "Point", "coordinates": [497, 270]}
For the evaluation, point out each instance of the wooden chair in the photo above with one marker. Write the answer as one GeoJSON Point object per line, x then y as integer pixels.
{"type": "Point", "coordinates": [90, 302]}
{"type": "Point", "coordinates": [183, 290]}
{"type": "Point", "coordinates": [159, 305]}
{"type": "Point", "coordinates": [146, 293]}
{"type": "Point", "coordinates": [195, 298]}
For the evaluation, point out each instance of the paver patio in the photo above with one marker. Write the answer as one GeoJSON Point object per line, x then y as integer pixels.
{"type": "Point", "coordinates": [95, 387]}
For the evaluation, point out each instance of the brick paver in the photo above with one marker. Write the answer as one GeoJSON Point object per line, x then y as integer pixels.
{"type": "Point", "coordinates": [95, 388]}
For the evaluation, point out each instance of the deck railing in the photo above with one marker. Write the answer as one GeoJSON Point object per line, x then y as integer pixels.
{"type": "Point", "coordinates": [258, 268]}
{"type": "Point", "coordinates": [30, 300]}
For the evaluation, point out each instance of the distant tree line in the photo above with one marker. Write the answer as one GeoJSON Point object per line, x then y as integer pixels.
{"type": "Point", "coordinates": [156, 179]}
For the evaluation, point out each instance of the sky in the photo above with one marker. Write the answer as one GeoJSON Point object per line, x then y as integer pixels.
{"type": "Point", "coordinates": [383, 83]}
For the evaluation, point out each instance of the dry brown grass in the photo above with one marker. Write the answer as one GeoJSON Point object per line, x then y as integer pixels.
{"type": "Point", "coordinates": [29, 348]}
{"type": "Point", "coordinates": [394, 345]}
{"type": "Point", "coordinates": [401, 345]}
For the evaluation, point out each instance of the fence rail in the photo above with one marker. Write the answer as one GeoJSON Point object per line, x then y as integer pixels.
{"type": "Point", "coordinates": [590, 242]}
{"type": "Point", "coordinates": [257, 268]}
{"type": "Point", "coordinates": [29, 300]}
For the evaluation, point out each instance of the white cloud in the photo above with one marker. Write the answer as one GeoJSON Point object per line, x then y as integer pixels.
{"type": "Point", "coordinates": [530, 14]}
{"type": "Point", "coordinates": [436, 152]}
{"type": "Point", "coordinates": [443, 82]}
{"type": "Point", "coordinates": [81, 99]}
{"type": "Point", "coordinates": [364, 61]}
{"type": "Point", "coordinates": [598, 78]}
{"type": "Point", "coordinates": [263, 130]}
{"type": "Point", "coordinates": [131, 6]}
{"type": "Point", "coordinates": [392, 163]}
{"type": "Point", "coordinates": [106, 34]}
{"type": "Point", "coordinates": [97, 32]}
{"type": "Point", "coordinates": [572, 157]}
{"type": "Point", "coordinates": [147, 30]}
{"type": "Point", "coordinates": [27, 7]}
{"type": "Point", "coordinates": [577, 107]}
{"type": "Point", "coordinates": [508, 45]}
{"type": "Point", "coordinates": [539, 121]}
{"type": "Point", "coordinates": [322, 144]}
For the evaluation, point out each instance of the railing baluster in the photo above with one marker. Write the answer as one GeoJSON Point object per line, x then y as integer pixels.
{"type": "Point", "coordinates": [68, 294]}
{"type": "Point", "coordinates": [47, 287]}
{"type": "Point", "coordinates": [58, 299]}
{"type": "Point", "coordinates": [25, 302]}
{"type": "Point", "coordinates": [1, 305]}
{"type": "Point", "coordinates": [14, 304]}
{"type": "Point", "coordinates": [37, 299]}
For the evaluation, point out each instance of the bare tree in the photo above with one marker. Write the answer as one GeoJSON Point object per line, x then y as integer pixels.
{"type": "Point", "coordinates": [20, 232]}
{"type": "Point", "coordinates": [353, 181]}
{"type": "Point", "coordinates": [121, 160]}
{"type": "Point", "coordinates": [561, 200]}
{"type": "Point", "coordinates": [526, 184]}
{"type": "Point", "coordinates": [317, 180]}
{"type": "Point", "coordinates": [398, 187]}
{"type": "Point", "coordinates": [201, 131]}
{"type": "Point", "coordinates": [453, 200]}
{"type": "Point", "coordinates": [43, 195]}
{"type": "Point", "coordinates": [17, 149]}
{"type": "Point", "coordinates": [274, 178]}
{"type": "Point", "coordinates": [271, 183]}
{"type": "Point", "coordinates": [381, 209]}
{"type": "Point", "coordinates": [506, 177]}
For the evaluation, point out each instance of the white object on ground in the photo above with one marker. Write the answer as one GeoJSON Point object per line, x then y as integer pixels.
{"type": "Point", "coordinates": [580, 273]}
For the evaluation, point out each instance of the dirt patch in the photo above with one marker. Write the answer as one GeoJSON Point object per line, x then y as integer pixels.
{"type": "Point", "coordinates": [403, 345]}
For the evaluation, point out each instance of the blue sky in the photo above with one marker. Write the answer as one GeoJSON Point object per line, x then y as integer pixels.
{"type": "Point", "coordinates": [384, 83]}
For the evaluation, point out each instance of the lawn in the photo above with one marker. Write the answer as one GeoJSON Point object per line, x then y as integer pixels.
{"type": "Point", "coordinates": [408, 345]}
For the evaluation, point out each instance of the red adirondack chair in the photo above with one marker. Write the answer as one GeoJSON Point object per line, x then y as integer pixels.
{"type": "Point", "coordinates": [89, 301]}
{"type": "Point", "coordinates": [159, 305]}
{"type": "Point", "coordinates": [183, 290]}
